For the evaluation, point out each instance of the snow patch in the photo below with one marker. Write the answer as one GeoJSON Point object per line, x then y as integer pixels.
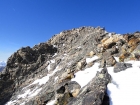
{"type": "Point", "coordinates": [106, 32]}
{"type": "Point", "coordinates": [88, 60]}
{"type": "Point", "coordinates": [117, 59]}
{"type": "Point", "coordinates": [56, 78]}
{"type": "Point", "coordinates": [79, 47]}
{"type": "Point", "coordinates": [53, 61]}
{"type": "Point", "coordinates": [55, 46]}
{"type": "Point", "coordinates": [125, 86]}
{"type": "Point", "coordinates": [84, 77]}
{"type": "Point", "coordinates": [35, 92]}
{"type": "Point", "coordinates": [29, 93]}
{"type": "Point", "coordinates": [49, 67]}
{"type": "Point", "coordinates": [118, 34]}
{"type": "Point", "coordinates": [65, 54]}
{"type": "Point", "coordinates": [11, 102]}
{"type": "Point", "coordinates": [51, 103]}
{"type": "Point", "coordinates": [54, 54]}
{"type": "Point", "coordinates": [42, 80]}
{"type": "Point", "coordinates": [45, 79]}
{"type": "Point", "coordinates": [109, 34]}
{"type": "Point", "coordinates": [24, 95]}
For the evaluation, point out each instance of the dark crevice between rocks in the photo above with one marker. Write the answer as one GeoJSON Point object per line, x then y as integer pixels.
{"type": "Point", "coordinates": [65, 99]}
{"type": "Point", "coordinates": [106, 100]}
{"type": "Point", "coordinates": [6, 91]}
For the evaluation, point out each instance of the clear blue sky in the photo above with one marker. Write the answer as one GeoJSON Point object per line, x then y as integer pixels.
{"type": "Point", "coordinates": [29, 22]}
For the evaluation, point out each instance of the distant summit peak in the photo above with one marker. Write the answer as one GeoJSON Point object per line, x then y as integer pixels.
{"type": "Point", "coordinates": [2, 63]}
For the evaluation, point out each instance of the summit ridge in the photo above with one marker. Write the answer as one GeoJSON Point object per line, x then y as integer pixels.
{"type": "Point", "coordinates": [74, 67]}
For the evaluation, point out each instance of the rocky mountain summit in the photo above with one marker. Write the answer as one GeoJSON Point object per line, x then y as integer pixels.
{"type": "Point", "coordinates": [53, 73]}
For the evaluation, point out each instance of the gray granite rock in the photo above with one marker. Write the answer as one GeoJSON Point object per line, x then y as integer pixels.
{"type": "Point", "coordinates": [121, 66]}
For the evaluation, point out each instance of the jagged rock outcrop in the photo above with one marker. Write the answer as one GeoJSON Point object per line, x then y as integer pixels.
{"type": "Point", "coordinates": [22, 66]}
{"type": "Point", "coordinates": [43, 74]}
{"type": "Point", "coordinates": [94, 92]}
{"type": "Point", "coordinates": [121, 66]}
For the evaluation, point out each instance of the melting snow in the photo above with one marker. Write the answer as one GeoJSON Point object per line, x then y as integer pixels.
{"type": "Point", "coordinates": [110, 34]}
{"type": "Point", "coordinates": [28, 94]}
{"type": "Point", "coordinates": [79, 47]}
{"type": "Point", "coordinates": [11, 102]}
{"type": "Point", "coordinates": [25, 94]}
{"type": "Point", "coordinates": [42, 80]}
{"type": "Point", "coordinates": [91, 59]}
{"type": "Point", "coordinates": [55, 46]}
{"type": "Point", "coordinates": [123, 90]}
{"type": "Point", "coordinates": [46, 78]}
{"type": "Point", "coordinates": [51, 102]}
{"type": "Point", "coordinates": [84, 77]}
{"type": "Point", "coordinates": [117, 59]}
{"type": "Point", "coordinates": [35, 92]}
{"type": "Point", "coordinates": [53, 61]}
{"type": "Point", "coordinates": [49, 67]}
{"type": "Point", "coordinates": [106, 32]}
{"type": "Point", "coordinates": [56, 78]}
{"type": "Point", "coordinates": [65, 54]}
{"type": "Point", "coordinates": [55, 54]}
{"type": "Point", "coordinates": [125, 86]}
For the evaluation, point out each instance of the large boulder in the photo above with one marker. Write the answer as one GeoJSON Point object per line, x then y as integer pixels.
{"type": "Point", "coordinates": [95, 92]}
{"type": "Point", "coordinates": [119, 66]}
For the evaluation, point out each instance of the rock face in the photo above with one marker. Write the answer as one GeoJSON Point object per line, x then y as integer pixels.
{"type": "Point", "coordinates": [94, 92]}
{"type": "Point", "coordinates": [22, 66]}
{"type": "Point", "coordinates": [42, 74]}
{"type": "Point", "coordinates": [121, 66]}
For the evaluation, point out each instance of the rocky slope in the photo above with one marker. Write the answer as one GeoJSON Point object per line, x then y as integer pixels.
{"type": "Point", "coordinates": [47, 73]}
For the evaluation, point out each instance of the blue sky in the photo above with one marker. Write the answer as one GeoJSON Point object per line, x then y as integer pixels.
{"type": "Point", "coordinates": [29, 22]}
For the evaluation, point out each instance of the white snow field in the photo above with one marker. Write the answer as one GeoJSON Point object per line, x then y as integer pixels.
{"type": "Point", "coordinates": [51, 102]}
{"type": "Point", "coordinates": [84, 77]}
{"type": "Point", "coordinates": [88, 60]}
{"type": "Point", "coordinates": [125, 86]}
